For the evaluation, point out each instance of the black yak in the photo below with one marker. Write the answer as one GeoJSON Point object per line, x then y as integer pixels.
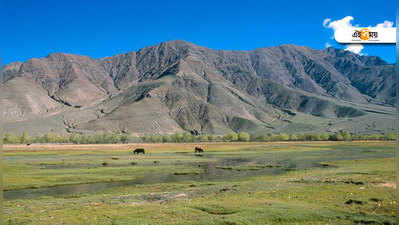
{"type": "Point", "coordinates": [138, 151]}
{"type": "Point", "coordinates": [199, 150]}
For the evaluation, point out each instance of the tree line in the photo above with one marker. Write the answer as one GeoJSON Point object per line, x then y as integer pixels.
{"type": "Point", "coordinates": [113, 138]}
{"type": "Point", "coordinates": [246, 137]}
{"type": "Point", "coordinates": [75, 138]}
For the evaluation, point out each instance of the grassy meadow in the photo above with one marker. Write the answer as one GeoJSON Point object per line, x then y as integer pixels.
{"type": "Point", "coordinates": [230, 183]}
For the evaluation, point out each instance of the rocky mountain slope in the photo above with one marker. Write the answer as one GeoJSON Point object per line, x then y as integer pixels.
{"type": "Point", "coordinates": [176, 86]}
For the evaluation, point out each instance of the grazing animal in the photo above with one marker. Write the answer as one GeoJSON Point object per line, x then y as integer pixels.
{"type": "Point", "coordinates": [199, 150]}
{"type": "Point", "coordinates": [138, 151]}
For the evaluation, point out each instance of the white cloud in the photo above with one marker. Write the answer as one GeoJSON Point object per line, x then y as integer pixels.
{"type": "Point", "coordinates": [355, 48]}
{"type": "Point", "coordinates": [325, 22]}
{"type": "Point", "coordinates": [346, 23]}
{"type": "Point", "coordinates": [385, 24]}
{"type": "Point", "coordinates": [327, 45]}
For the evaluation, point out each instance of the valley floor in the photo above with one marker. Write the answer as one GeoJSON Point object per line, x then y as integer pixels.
{"type": "Point", "coordinates": [230, 183]}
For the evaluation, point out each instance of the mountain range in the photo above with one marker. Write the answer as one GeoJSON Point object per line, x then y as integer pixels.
{"type": "Point", "coordinates": [178, 86]}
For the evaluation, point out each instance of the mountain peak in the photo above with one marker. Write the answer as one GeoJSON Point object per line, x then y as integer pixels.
{"type": "Point", "coordinates": [362, 59]}
{"type": "Point", "coordinates": [178, 44]}
{"type": "Point", "coordinates": [177, 85]}
{"type": "Point", "coordinates": [61, 56]}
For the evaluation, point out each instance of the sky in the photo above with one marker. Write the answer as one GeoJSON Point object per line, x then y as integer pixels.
{"type": "Point", "coordinates": [36, 28]}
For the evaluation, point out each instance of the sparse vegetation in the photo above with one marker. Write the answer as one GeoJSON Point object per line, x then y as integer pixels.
{"type": "Point", "coordinates": [75, 138]}
{"type": "Point", "coordinates": [112, 138]}
{"type": "Point", "coordinates": [349, 188]}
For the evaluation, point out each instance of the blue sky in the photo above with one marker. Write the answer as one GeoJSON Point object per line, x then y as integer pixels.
{"type": "Point", "coordinates": [104, 28]}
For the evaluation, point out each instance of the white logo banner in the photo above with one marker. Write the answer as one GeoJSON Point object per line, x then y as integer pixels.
{"type": "Point", "coordinates": [366, 35]}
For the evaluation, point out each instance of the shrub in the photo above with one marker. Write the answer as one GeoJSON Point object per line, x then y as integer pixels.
{"type": "Point", "coordinates": [337, 137]}
{"type": "Point", "coordinates": [390, 136]}
{"type": "Point", "coordinates": [293, 137]}
{"type": "Point", "coordinates": [10, 138]}
{"type": "Point", "coordinates": [203, 137]}
{"type": "Point", "coordinates": [124, 139]}
{"type": "Point", "coordinates": [301, 137]}
{"type": "Point", "coordinates": [346, 136]}
{"type": "Point", "coordinates": [324, 136]}
{"type": "Point", "coordinates": [211, 137]}
{"type": "Point", "coordinates": [284, 137]}
{"type": "Point", "coordinates": [166, 138]}
{"type": "Point", "coordinates": [187, 137]}
{"type": "Point", "coordinates": [25, 138]}
{"type": "Point", "coordinates": [232, 136]}
{"type": "Point", "coordinates": [261, 138]}
{"type": "Point", "coordinates": [243, 136]}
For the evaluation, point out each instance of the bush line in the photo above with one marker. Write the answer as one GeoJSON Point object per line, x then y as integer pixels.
{"type": "Point", "coordinates": [113, 138]}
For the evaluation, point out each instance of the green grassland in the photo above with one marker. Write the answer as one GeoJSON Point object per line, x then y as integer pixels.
{"type": "Point", "coordinates": [230, 183]}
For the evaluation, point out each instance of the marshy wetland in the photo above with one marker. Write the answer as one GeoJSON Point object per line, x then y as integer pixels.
{"type": "Point", "coordinates": [230, 183]}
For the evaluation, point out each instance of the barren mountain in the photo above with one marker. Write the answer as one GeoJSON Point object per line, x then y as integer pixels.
{"type": "Point", "coordinates": [176, 86]}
